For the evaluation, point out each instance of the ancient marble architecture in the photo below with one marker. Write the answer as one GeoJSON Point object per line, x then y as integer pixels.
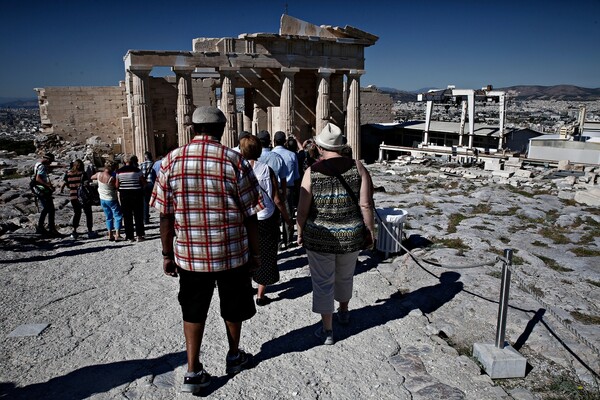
{"type": "Point", "coordinates": [294, 81]}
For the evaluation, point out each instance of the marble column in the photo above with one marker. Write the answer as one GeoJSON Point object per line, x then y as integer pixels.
{"type": "Point", "coordinates": [185, 104]}
{"type": "Point", "coordinates": [353, 112]}
{"type": "Point", "coordinates": [228, 105]}
{"type": "Point", "coordinates": [286, 102]}
{"type": "Point", "coordinates": [143, 134]}
{"type": "Point", "coordinates": [323, 99]}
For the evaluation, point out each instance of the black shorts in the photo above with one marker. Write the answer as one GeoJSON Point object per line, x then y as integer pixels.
{"type": "Point", "coordinates": [235, 294]}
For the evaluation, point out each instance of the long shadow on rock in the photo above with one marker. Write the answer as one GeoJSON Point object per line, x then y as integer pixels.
{"type": "Point", "coordinates": [87, 381]}
{"type": "Point", "coordinates": [294, 288]}
{"type": "Point", "coordinates": [397, 306]}
{"type": "Point", "coordinates": [67, 253]}
{"type": "Point", "coordinates": [298, 287]}
{"type": "Point", "coordinates": [293, 263]}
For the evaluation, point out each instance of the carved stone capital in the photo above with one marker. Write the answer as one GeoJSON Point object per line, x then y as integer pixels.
{"type": "Point", "coordinates": [140, 70]}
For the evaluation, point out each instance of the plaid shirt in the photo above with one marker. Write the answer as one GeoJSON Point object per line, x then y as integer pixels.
{"type": "Point", "coordinates": [210, 189]}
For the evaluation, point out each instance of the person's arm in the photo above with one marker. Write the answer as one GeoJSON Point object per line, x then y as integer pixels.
{"type": "Point", "coordinates": [38, 179]}
{"type": "Point", "coordinates": [366, 197]}
{"type": "Point", "coordinates": [251, 224]}
{"type": "Point", "coordinates": [277, 199]}
{"type": "Point", "coordinates": [167, 234]}
{"type": "Point", "coordinates": [303, 205]}
{"type": "Point", "coordinates": [63, 183]}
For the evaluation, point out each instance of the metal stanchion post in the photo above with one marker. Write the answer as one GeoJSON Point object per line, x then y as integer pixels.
{"type": "Point", "coordinates": [503, 304]}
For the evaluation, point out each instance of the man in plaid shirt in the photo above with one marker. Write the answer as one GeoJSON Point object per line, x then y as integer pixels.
{"type": "Point", "coordinates": [207, 196]}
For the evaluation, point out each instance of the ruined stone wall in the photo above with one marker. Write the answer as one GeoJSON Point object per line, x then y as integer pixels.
{"type": "Point", "coordinates": [375, 107]}
{"type": "Point", "coordinates": [77, 113]}
{"type": "Point", "coordinates": [204, 93]}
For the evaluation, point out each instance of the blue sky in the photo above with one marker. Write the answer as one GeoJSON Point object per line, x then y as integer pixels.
{"type": "Point", "coordinates": [421, 43]}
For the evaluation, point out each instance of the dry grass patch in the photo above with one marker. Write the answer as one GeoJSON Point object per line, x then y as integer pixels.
{"type": "Point", "coordinates": [457, 243]}
{"type": "Point", "coordinates": [454, 220]}
{"type": "Point", "coordinates": [585, 252]}
{"type": "Point", "coordinates": [552, 264]}
{"type": "Point", "coordinates": [585, 319]}
{"type": "Point", "coordinates": [539, 244]}
{"type": "Point", "coordinates": [554, 234]}
{"type": "Point", "coordinates": [591, 282]}
{"type": "Point", "coordinates": [482, 208]}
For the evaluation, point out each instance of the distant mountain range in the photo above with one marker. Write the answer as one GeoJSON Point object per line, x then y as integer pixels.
{"type": "Point", "coordinates": [11, 102]}
{"type": "Point", "coordinates": [523, 92]}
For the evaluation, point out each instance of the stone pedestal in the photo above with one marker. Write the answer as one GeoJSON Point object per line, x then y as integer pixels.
{"type": "Point", "coordinates": [500, 363]}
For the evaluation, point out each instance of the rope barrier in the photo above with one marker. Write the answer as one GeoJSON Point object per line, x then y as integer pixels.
{"type": "Point", "coordinates": [518, 277]}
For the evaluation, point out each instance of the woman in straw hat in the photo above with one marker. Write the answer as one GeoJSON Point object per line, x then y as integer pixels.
{"type": "Point", "coordinates": [333, 211]}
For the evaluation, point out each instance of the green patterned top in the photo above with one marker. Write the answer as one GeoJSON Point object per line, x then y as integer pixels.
{"type": "Point", "coordinates": [334, 224]}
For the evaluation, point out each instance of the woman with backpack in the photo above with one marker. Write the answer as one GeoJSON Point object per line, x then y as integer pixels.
{"type": "Point", "coordinates": [74, 178]}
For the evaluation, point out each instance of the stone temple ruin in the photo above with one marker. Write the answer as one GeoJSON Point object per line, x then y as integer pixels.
{"type": "Point", "coordinates": [294, 81]}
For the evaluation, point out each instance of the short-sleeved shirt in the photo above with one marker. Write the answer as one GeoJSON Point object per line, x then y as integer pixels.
{"type": "Point", "coordinates": [211, 190]}
{"type": "Point", "coordinates": [291, 162]}
{"type": "Point", "coordinates": [148, 171]}
{"type": "Point", "coordinates": [276, 163]}
{"type": "Point", "coordinates": [129, 178]}
{"type": "Point", "coordinates": [73, 180]}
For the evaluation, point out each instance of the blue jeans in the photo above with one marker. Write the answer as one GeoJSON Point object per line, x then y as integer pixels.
{"type": "Point", "coordinates": [112, 212]}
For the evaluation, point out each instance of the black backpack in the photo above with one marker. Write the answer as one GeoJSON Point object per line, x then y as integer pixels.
{"type": "Point", "coordinates": [87, 194]}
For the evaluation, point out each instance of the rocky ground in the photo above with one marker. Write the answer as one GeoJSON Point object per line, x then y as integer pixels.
{"type": "Point", "coordinates": [115, 331]}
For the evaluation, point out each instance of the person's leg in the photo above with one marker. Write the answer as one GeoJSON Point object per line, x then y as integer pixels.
{"type": "Point", "coordinates": [261, 291]}
{"type": "Point", "coordinates": [147, 196]}
{"type": "Point", "coordinates": [89, 219]}
{"type": "Point", "coordinates": [234, 331]}
{"type": "Point", "coordinates": [138, 214]}
{"type": "Point", "coordinates": [322, 273]}
{"type": "Point", "coordinates": [108, 215]}
{"type": "Point", "coordinates": [126, 207]}
{"type": "Point", "coordinates": [44, 204]}
{"type": "Point", "coordinates": [193, 332]}
{"type": "Point", "coordinates": [51, 215]}
{"type": "Point", "coordinates": [237, 305]}
{"type": "Point", "coordinates": [76, 214]}
{"type": "Point", "coordinates": [118, 215]}
{"type": "Point", "coordinates": [195, 294]}
{"type": "Point", "coordinates": [345, 264]}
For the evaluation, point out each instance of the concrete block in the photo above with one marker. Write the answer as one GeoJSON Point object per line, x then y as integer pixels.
{"type": "Point", "coordinates": [492, 165]}
{"type": "Point", "coordinates": [563, 165]}
{"type": "Point", "coordinates": [523, 173]}
{"type": "Point", "coordinates": [513, 162]}
{"type": "Point", "coordinates": [28, 330]}
{"type": "Point", "coordinates": [503, 174]}
{"type": "Point", "coordinates": [500, 363]}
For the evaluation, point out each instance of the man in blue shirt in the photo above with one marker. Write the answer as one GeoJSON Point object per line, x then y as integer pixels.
{"type": "Point", "coordinates": [276, 162]}
{"type": "Point", "coordinates": [292, 182]}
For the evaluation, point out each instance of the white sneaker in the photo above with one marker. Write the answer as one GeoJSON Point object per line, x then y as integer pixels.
{"type": "Point", "coordinates": [326, 336]}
